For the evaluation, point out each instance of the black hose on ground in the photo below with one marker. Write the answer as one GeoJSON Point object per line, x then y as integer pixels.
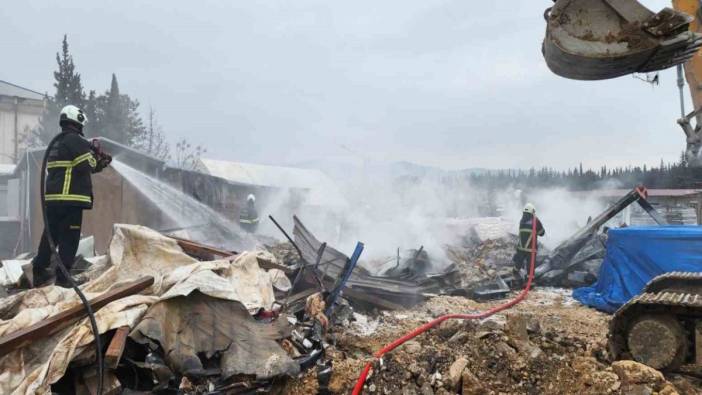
{"type": "Point", "coordinates": [64, 271]}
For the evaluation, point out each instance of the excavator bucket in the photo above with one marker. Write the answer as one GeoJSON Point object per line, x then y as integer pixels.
{"type": "Point", "coordinates": [600, 39]}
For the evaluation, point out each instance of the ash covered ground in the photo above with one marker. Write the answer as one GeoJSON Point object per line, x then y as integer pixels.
{"type": "Point", "coordinates": [549, 344]}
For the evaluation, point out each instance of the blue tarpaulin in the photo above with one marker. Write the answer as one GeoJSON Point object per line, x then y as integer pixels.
{"type": "Point", "coordinates": [636, 255]}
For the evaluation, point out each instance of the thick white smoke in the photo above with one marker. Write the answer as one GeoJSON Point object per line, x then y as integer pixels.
{"type": "Point", "coordinates": [386, 212]}
{"type": "Point", "coordinates": [561, 211]}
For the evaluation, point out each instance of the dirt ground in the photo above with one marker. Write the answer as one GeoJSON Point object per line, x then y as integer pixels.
{"type": "Point", "coordinates": [548, 344]}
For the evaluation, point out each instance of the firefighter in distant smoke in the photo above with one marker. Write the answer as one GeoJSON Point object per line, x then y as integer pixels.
{"type": "Point", "coordinates": [69, 191]}
{"type": "Point", "coordinates": [248, 216]}
{"type": "Point", "coordinates": [523, 256]}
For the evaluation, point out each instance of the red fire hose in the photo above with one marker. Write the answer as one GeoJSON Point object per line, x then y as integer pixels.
{"type": "Point", "coordinates": [358, 388]}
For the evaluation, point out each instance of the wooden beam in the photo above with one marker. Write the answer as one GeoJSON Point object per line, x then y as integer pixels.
{"type": "Point", "coordinates": [201, 250]}
{"type": "Point", "coordinates": [207, 253]}
{"type": "Point", "coordinates": [65, 318]}
{"type": "Point", "coordinates": [268, 265]}
{"type": "Point", "coordinates": [116, 347]}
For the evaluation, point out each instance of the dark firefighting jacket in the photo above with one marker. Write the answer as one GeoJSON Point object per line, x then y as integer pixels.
{"type": "Point", "coordinates": [248, 216]}
{"type": "Point", "coordinates": [70, 164]}
{"type": "Point", "coordinates": [525, 232]}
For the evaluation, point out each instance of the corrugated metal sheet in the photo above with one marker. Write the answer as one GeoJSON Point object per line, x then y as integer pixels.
{"type": "Point", "coordinates": [8, 89]}
{"type": "Point", "coordinates": [322, 190]}
{"type": "Point", "coordinates": [262, 175]}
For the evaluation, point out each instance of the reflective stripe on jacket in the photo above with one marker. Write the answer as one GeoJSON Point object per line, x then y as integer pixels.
{"type": "Point", "coordinates": [248, 215]}
{"type": "Point", "coordinates": [69, 166]}
{"type": "Point", "coordinates": [525, 232]}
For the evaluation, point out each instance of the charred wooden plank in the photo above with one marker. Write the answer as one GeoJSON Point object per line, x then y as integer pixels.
{"type": "Point", "coordinates": [65, 318]}
{"type": "Point", "coordinates": [116, 347]}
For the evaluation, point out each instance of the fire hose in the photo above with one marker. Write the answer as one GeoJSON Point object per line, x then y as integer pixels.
{"type": "Point", "coordinates": [358, 388]}
{"type": "Point", "coordinates": [64, 271]}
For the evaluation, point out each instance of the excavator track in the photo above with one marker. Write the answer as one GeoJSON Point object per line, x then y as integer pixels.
{"type": "Point", "coordinates": [660, 326]}
{"type": "Point", "coordinates": [679, 281]}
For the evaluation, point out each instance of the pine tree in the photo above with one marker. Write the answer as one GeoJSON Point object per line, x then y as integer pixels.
{"type": "Point", "coordinates": [112, 115]}
{"type": "Point", "coordinates": [118, 117]}
{"type": "Point", "coordinates": [69, 90]}
{"type": "Point", "coordinates": [683, 159]}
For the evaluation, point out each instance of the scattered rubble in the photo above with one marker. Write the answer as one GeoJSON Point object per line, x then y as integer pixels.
{"type": "Point", "coordinates": [285, 253]}
{"type": "Point", "coordinates": [164, 331]}
{"type": "Point", "coordinates": [479, 261]}
{"type": "Point", "coordinates": [546, 345]}
{"type": "Point", "coordinates": [284, 332]}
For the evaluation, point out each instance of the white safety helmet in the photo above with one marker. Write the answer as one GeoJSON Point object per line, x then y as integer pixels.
{"type": "Point", "coordinates": [251, 198]}
{"type": "Point", "coordinates": [529, 208]}
{"type": "Point", "coordinates": [73, 114]}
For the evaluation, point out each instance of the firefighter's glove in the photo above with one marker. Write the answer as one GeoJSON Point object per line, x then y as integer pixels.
{"type": "Point", "coordinates": [102, 160]}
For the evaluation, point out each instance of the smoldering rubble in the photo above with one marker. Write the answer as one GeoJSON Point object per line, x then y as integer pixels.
{"type": "Point", "coordinates": [300, 317]}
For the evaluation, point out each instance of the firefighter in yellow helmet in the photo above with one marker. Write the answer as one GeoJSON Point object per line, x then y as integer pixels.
{"type": "Point", "coordinates": [523, 255]}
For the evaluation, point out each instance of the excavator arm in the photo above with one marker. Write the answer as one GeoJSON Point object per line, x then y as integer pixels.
{"type": "Point", "coordinates": [693, 75]}
{"type": "Point", "coordinates": [693, 68]}
{"type": "Point", "coordinates": [601, 39]}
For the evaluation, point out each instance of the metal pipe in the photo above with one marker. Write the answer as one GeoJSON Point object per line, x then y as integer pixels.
{"type": "Point", "coordinates": [341, 282]}
{"type": "Point", "coordinates": [681, 85]}
{"type": "Point", "coordinates": [16, 152]}
{"type": "Point", "coordinates": [280, 228]}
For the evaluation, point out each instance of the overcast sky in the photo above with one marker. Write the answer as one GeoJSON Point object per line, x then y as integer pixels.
{"type": "Point", "coordinates": [454, 84]}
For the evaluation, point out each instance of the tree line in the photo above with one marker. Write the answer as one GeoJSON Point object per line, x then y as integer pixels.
{"type": "Point", "coordinates": [111, 114]}
{"type": "Point", "coordinates": [679, 174]}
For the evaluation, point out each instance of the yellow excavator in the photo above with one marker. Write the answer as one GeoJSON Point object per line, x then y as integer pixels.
{"type": "Point", "coordinates": [601, 39]}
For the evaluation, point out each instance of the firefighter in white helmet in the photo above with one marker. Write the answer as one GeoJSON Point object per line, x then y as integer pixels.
{"type": "Point", "coordinates": [248, 215]}
{"type": "Point", "coordinates": [523, 255]}
{"type": "Point", "coordinates": [69, 191]}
